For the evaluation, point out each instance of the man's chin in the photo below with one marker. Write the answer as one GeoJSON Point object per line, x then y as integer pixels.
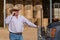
{"type": "Point", "coordinates": [16, 15]}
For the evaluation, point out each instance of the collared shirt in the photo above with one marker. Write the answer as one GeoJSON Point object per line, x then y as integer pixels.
{"type": "Point", "coordinates": [16, 25]}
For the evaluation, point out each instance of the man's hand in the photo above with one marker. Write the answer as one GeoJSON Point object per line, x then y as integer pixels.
{"type": "Point", "coordinates": [13, 13]}
{"type": "Point", "coordinates": [37, 26]}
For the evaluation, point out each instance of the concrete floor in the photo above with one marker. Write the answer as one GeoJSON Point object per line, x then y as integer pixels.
{"type": "Point", "coordinates": [4, 34]}
{"type": "Point", "coordinates": [28, 34]}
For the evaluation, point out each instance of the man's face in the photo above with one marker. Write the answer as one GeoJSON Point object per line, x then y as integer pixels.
{"type": "Point", "coordinates": [16, 13]}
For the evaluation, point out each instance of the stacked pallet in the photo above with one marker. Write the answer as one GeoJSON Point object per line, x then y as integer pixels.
{"type": "Point", "coordinates": [38, 9]}
{"type": "Point", "coordinates": [43, 22]}
{"type": "Point", "coordinates": [39, 12]}
{"type": "Point", "coordinates": [28, 9]}
{"type": "Point", "coordinates": [29, 15]}
{"type": "Point", "coordinates": [8, 8]}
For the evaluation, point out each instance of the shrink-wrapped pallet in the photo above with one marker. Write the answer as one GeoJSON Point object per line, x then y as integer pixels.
{"type": "Point", "coordinates": [45, 23]}
{"type": "Point", "coordinates": [28, 9]}
{"type": "Point", "coordinates": [39, 10]}
{"type": "Point", "coordinates": [8, 11]}
{"type": "Point", "coordinates": [39, 21]}
{"type": "Point", "coordinates": [8, 8]}
{"type": "Point", "coordinates": [9, 5]}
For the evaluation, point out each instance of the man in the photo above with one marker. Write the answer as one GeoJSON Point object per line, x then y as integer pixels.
{"type": "Point", "coordinates": [16, 24]}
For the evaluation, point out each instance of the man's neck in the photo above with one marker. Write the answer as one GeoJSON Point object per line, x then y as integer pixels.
{"type": "Point", "coordinates": [16, 16]}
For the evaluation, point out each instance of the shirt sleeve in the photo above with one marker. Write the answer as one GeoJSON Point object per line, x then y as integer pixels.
{"type": "Point", "coordinates": [28, 22]}
{"type": "Point", "coordinates": [8, 19]}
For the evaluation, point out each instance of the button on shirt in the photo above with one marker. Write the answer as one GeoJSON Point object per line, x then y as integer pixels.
{"type": "Point", "coordinates": [16, 25]}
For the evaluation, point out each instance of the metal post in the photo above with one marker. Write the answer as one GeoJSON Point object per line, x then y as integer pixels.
{"type": "Point", "coordinates": [4, 11]}
{"type": "Point", "coordinates": [50, 11]}
{"type": "Point", "coordinates": [39, 29]}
